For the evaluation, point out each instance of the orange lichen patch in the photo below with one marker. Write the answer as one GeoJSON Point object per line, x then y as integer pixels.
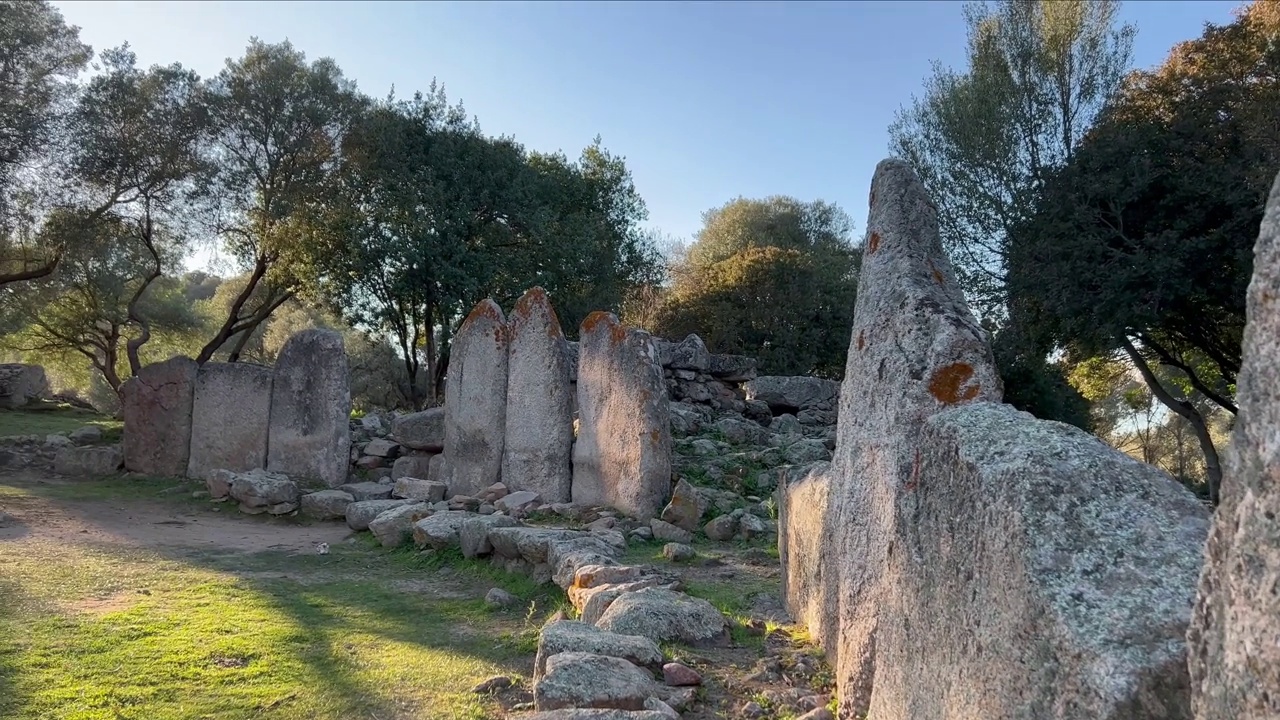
{"type": "Point", "coordinates": [655, 437]}
{"type": "Point", "coordinates": [862, 340]}
{"type": "Point", "coordinates": [487, 309]}
{"type": "Point", "coordinates": [595, 318]}
{"type": "Point", "coordinates": [937, 275]}
{"type": "Point", "coordinates": [950, 384]}
{"type": "Point", "coordinates": [874, 243]}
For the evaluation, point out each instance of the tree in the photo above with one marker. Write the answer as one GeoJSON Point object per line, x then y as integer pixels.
{"type": "Point", "coordinates": [1143, 243]}
{"type": "Point", "coordinates": [277, 125]}
{"type": "Point", "coordinates": [40, 55]}
{"type": "Point", "coordinates": [982, 140]}
{"type": "Point", "coordinates": [772, 278]}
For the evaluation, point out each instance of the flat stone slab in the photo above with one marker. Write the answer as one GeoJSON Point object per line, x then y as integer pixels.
{"type": "Point", "coordinates": [157, 417]}
{"type": "Point", "coordinates": [360, 514]}
{"type": "Point", "coordinates": [394, 527]}
{"type": "Point", "coordinates": [422, 430]}
{"type": "Point", "coordinates": [88, 461]}
{"type": "Point", "coordinates": [230, 418]}
{"type": "Point", "coordinates": [326, 504]}
{"type": "Point", "coordinates": [421, 490]}
{"type": "Point", "coordinates": [573, 636]}
{"type": "Point", "coordinates": [362, 491]}
{"type": "Point", "coordinates": [585, 680]}
{"type": "Point", "coordinates": [666, 616]}
{"type": "Point", "coordinates": [310, 431]}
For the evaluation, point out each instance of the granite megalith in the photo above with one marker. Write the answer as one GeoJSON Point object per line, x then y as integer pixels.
{"type": "Point", "coordinates": [475, 402]}
{"type": "Point", "coordinates": [157, 417]}
{"type": "Point", "coordinates": [1234, 638]}
{"type": "Point", "coordinates": [622, 457]}
{"type": "Point", "coordinates": [309, 434]}
{"type": "Point", "coordinates": [230, 416]}
{"type": "Point", "coordinates": [536, 451]}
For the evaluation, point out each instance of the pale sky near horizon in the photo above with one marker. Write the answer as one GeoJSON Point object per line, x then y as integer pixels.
{"type": "Point", "coordinates": [707, 101]}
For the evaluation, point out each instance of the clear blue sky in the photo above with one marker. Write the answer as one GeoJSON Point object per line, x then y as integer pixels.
{"type": "Point", "coordinates": [707, 101]}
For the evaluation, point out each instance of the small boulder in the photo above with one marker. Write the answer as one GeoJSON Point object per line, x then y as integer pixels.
{"type": "Point", "coordinates": [362, 491]}
{"type": "Point", "coordinates": [383, 448]}
{"type": "Point", "coordinates": [677, 552]}
{"type": "Point", "coordinates": [440, 531]}
{"type": "Point", "coordinates": [750, 526]}
{"type": "Point", "coordinates": [666, 616]}
{"type": "Point", "coordinates": [86, 435]}
{"type": "Point", "coordinates": [517, 502]}
{"type": "Point", "coordinates": [680, 675]}
{"type": "Point", "coordinates": [499, 598]}
{"type": "Point", "coordinates": [88, 461]}
{"type": "Point", "coordinates": [473, 533]}
{"type": "Point", "coordinates": [686, 507]}
{"type": "Point", "coordinates": [323, 505]}
{"type": "Point", "coordinates": [586, 680]}
{"type": "Point", "coordinates": [361, 513]}
{"type": "Point", "coordinates": [666, 532]}
{"type": "Point", "coordinates": [421, 430]}
{"type": "Point", "coordinates": [394, 527]}
{"type": "Point", "coordinates": [259, 488]}
{"type": "Point", "coordinates": [690, 354]}
{"type": "Point", "coordinates": [722, 528]}
{"type": "Point", "coordinates": [219, 483]}
{"type": "Point", "coordinates": [411, 488]}
{"type": "Point", "coordinates": [415, 466]}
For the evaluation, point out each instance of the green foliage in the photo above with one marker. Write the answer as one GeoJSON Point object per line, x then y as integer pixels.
{"type": "Point", "coordinates": [981, 139]}
{"type": "Point", "coordinates": [1036, 385]}
{"type": "Point", "coordinates": [775, 279]}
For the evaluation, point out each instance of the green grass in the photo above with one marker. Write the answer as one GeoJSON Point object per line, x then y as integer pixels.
{"type": "Point", "coordinates": [92, 632]}
{"type": "Point", "coordinates": [48, 418]}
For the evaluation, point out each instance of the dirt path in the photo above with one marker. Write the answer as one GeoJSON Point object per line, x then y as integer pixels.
{"type": "Point", "coordinates": [142, 522]}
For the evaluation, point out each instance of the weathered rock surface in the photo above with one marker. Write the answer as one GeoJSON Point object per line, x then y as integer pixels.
{"type": "Point", "coordinates": [1234, 636]}
{"type": "Point", "coordinates": [325, 504]}
{"type": "Point", "coordinates": [440, 530]}
{"type": "Point", "coordinates": [360, 514]}
{"type": "Point", "coordinates": [383, 448]}
{"type": "Point", "coordinates": [412, 466]}
{"type": "Point", "coordinates": [473, 533]}
{"type": "Point", "coordinates": [20, 383]}
{"type": "Point", "coordinates": [622, 457]}
{"type": "Point", "coordinates": [230, 416]}
{"type": "Point", "coordinates": [415, 489]}
{"type": "Point", "coordinates": [517, 501]}
{"type": "Point", "coordinates": [539, 419]}
{"type": "Point", "coordinates": [258, 488]}
{"type": "Point", "coordinates": [394, 527]}
{"type": "Point", "coordinates": [476, 401]}
{"type": "Point", "coordinates": [686, 507]}
{"type": "Point", "coordinates": [421, 430]}
{"type": "Point", "coordinates": [725, 526]}
{"type": "Point", "coordinates": [157, 417]}
{"type": "Point", "coordinates": [666, 616]}
{"type": "Point", "coordinates": [586, 680]}
{"type": "Point", "coordinates": [86, 435]}
{"type": "Point", "coordinates": [788, 394]}
{"type": "Point", "coordinates": [808, 570]}
{"type": "Point", "coordinates": [666, 532]}
{"type": "Point", "coordinates": [689, 354]}
{"type": "Point", "coordinates": [1037, 555]}
{"type": "Point", "coordinates": [310, 433]}
{"type": "Point", "coordinates": [573, 636]}
{"type": "Point", "coordinates": [362, 491]}
{"type": "Point", "coordinates": [88, 461]}
{"type": "Point", "coordinates": [592, 714]}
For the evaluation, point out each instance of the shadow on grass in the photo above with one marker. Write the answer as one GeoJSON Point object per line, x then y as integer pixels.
{"type": "Point", "coordinates": [380, 634]}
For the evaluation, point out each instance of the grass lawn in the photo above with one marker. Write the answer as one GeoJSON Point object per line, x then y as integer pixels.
{"type": "Point", "coordinates": [45, 418]}
{"type": "Point", "coordinates": [108, 630]}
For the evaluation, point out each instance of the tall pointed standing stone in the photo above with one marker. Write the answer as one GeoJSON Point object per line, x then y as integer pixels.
{"type": "Point", "coordinates": [1234, 637]}
{"type": "Point", "coordinates": [309, 435]}
{"type": "Point", "coordinates": [623, 454]}
{"type": "Point", "coordinates": [539, 422]}
{"type": "Point", "coordinates": [475, 403]}
{"type": "Point", "coordinates": [157, 417]}
{"type": "Point", "coordinates": [915, 350]}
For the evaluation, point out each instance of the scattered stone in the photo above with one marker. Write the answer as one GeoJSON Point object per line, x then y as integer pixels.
{"type": "Point", "coordinates": [499, 598]}
{"type": "Point", "coordinates": [156, 406]}
{"type": "Point", "coordinates": [592, 714]}
{"type": "Point", "coordinates": [721, 528]}
{"type": "Point", "coordinates": [421, 490]}
{"type": "Point", "coordinates": [383, 448]}
{"type": "Point", "coordinates": [666, 616]}
{"type": "Point", "coordinates": [494, 492]}
{"type": "Point", "coordinates": [322, 505]}
{"type": "Point", "coordinates": [394, 527]}
{"type": "Point", "coordinates": [310, 430]}
{"type": "Point", "coordinates": [279, 508]}
{"type": "Point", "coordinates": [473, 533]}
{"type": "Point", "coordinates": [642, 534]}
{"type": "Point", "coordinates": [786, 424]}
{"type": "Point", "coordinates": [369, 462]}
{"type": "Point", "coordinates": [690, 354]}
{"type": "Point", "coordinates": [539, 416]}
{"type": "Point", "coordinates": [586, 680]}
{"type": "Point", "coordinates": [604, 523]}
{"type": "Point", "coordinates": [486, 509]}
{"type": "Point", "coordinates": [666, 532]}
{"type": "Point", "coordinates": [686, 507]}
{"type": "Point", "coordinates": [361, 513]}
{"type": "Point", "coordinates": [57, 441]}
{"type": "Point", "coordinates": [622, 457]}
{"type": "Point", "coordinates": [421, 430]}
{"type": "Point", "coordinates": [88, 461]}
{"type": "Point", "coordinates": [86, 435]}
{"type": "Point", "coordinates": [677, 552]}
{"type": "Point", "coordinates": [750, 526]}
{"type": "Point", "coordinates": [818, 714]}
{"type": "Point", "coordinates": [752, 710]}
{"type": "Point", "coordinates": [476, 401]}
{"type": "Point", "coordinates": [362, 491]}
{"type": "Point", "coordinates": [1234, 636]}
{"type": "Point", "coordinates": [440, 530]}
{"type": "Point", "coordinates": [786, 394]}
{"type": "Point", "coordinates": [230, 417]}
{"type": "Point", "coordinates": [656, 705]}
{"type": "Point", "coordinates": [414, 466]}
{"type": "Point", "coordinates": [259, 488]}
{"type": "Point", "coordinates": [680, 675]}
{"type": "Point", "coordinates": [518, 501]}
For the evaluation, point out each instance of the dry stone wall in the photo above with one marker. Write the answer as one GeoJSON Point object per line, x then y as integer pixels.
{"type": "Point", "coordinates": [1235, 636]}
{"type": "Point", "coordinates": [958, 558]}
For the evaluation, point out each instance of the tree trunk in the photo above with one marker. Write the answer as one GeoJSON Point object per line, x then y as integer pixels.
{"type": "Point", "coordinates": [1213, 468]}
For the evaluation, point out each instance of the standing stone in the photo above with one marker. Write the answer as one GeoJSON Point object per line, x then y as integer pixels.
{"type": "Point", "coordinates": [539, 421]}
{"type": "Point", "coordinates": [1234, 636]}
{"type": "Point", "coordinates": [157, 417]}
{"type": "Point", "coordinates": [914, 350]}
{"type": "Point", "coordinates": [623, 454]}
{"type": "Point", "coordinates": [475, 401]}
{"type": "Point", "coordinates": [229, 418]}
{"type": "Point", "coordinates": [310, 432]}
